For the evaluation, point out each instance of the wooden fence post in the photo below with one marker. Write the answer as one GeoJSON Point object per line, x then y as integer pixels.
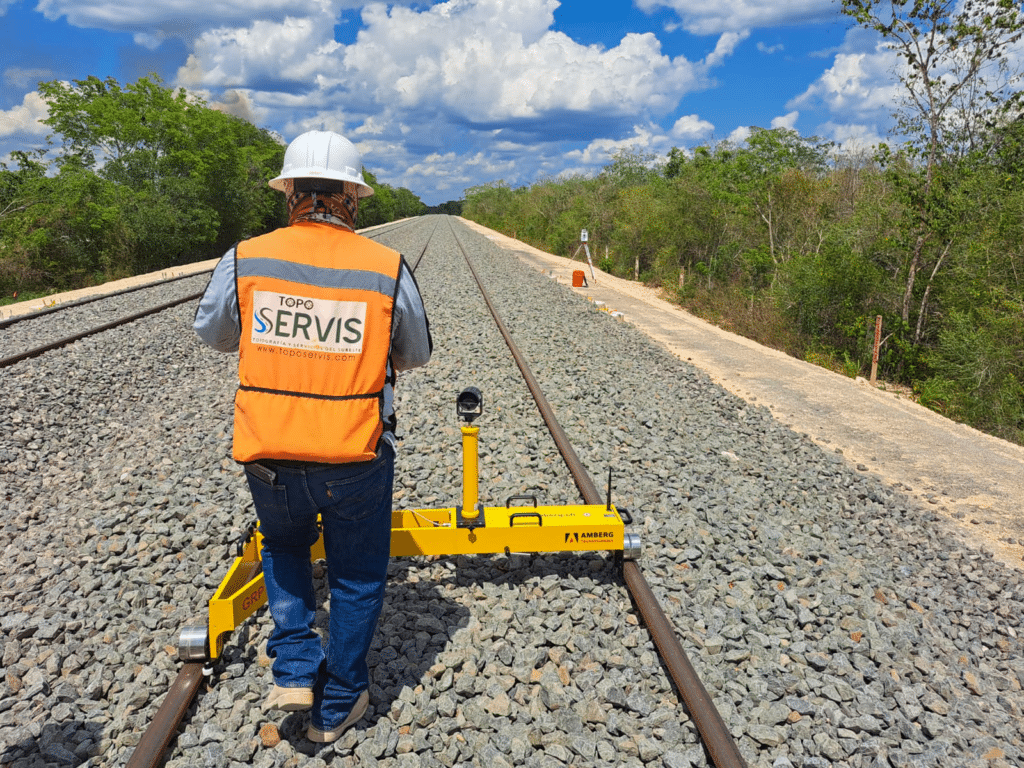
{"type": "Point", "coordinates": [874, 355]}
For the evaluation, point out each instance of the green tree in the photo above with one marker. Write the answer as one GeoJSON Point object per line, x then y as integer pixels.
{"type": "Point", "coordinates": [197, 174]}
{"type": "Point", "coordinates": [380, 207]}
{"type": "Point", "coordinates": [674, 163]}
{"type": "Point", "coordinates": [19, 185]}
{"type": "Point", "coordinates": [491, 204]}
{"type": "Point", "coordinates": [833, 295]}
{"type": "Point", "coordinates": [979, 371]}
{"type": "Point", "coordinates": [631, 168]}
{"type": "Point", "coordinates": [449, 207]}
{"type": "Point", "coordinates": [956, 80]}
{"type": "Point", "coordinates": [642, 228]}
{"type": "Point", "coordinates": [146, 177]}
{"type": "Point", "coordinates": [407, 204]}
{"type": "Point", "coordinates": [72, 231]}
{"type": "Point", "coordinates": [764, 172]}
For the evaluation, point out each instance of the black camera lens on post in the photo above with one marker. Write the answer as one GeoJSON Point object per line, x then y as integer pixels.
{"type": "Point", "coordinates": [469, 404]}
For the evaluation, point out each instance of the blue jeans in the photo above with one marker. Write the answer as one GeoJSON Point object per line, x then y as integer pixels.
{"type": "Point", "coordinates": [354, 502]}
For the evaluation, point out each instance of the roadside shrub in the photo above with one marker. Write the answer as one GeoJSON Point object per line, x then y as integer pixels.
{"type": "Point", "coordinates": [758, 268]}
{"type": "Point", "coordinates": [736, 310]}
{"type": "Point", "coordinates": [831, 295]}
{"type": "Point", "coordinates": [72, 234]}
{"type": "Point", "coordinates": [978, 372]}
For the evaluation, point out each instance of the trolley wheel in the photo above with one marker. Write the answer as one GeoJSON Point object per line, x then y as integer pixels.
{"type": "Point", "coordinates": [193, 644]}
{"type": "Point", "coordinates": [631, 546]}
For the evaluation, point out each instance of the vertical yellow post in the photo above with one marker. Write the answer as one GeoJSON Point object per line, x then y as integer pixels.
{"type": "Point", "coordinates": [470, 473]}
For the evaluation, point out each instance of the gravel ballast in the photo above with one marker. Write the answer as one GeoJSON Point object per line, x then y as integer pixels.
{"type": "Point", "coordinates": [831, 618]}
{"type": "Point", "coordinates": [30, 331]}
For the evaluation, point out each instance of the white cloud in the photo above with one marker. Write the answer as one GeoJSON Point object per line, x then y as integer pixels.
{"type": "Point", "coordinates": [858, 93]}
{"type": "Point", "coordinates": [851, 137]}
{"type": "Point", "coordinates": [450, 173]}
{"type": "Point", "coordinates": [480, 61]}
{"type": "Point", "coordinates": [25, 119]}
{"type": "Point", "coordinates": [495, 60]}
{"type": "Point", "coordinates": [646, 139]}
{"type": "Point", "coordinates": [238, 103]}
{"type": "Point", "coordinates": [824, 53]}
{"type": "Point", "coordinates": [725, 47]}
{"type": "Point", "coordinates": [153, 22]}
{"type": "Point", "coordinates": [770, 49]}
{"type": "Point", "coordinates": [705, 18]}
{"type": "Point", "coordinates": [859, 87]}
{"type": "Point", "coordinates": [434, 96]}
{"type": "Point", "coordinates": [372, 126]}
{"type": "Point", "coordinates": [149, 40]}
{"type": "Point", "coordinates": [739, 135]}
{"type": "Point", "coordinates": [294, 50]}
{"type": "Point", "coordinates": [465, 91]}
{"type": "Point", "coordinates": [22, 79]}
{"type": "Point", "coordinates": [691, 127]}
{"type": "Point", "coordinates": [786, 121]}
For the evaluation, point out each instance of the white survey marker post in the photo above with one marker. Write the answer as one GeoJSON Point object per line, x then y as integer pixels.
{"type": "Point", "coordinates": [583, 244]}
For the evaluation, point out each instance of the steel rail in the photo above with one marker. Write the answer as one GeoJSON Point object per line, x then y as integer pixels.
{"type": "Point", "coordinates": [401, 225]}
{"type": "Point", "coordinates": [157, 737]}
{"type": "Point", "coordinates": [716, 736]}
{"type": "Point", "coordinates": [36, 351]}
{"type": "Point", "coordinates": [8, 322]}
{"type": "Point", "coordinates": [420, 257]}
{"type": "Point", "coordinates": [391, 227]}
{"type": "Point", "coordinates": [82, 302]}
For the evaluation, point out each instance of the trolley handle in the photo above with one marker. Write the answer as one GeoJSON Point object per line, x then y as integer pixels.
{"type": "Point", "coordinates": [243, 540]}
{"type": "Point", "coordinates": [528, 497]}
{"type": "Point", "coordinates": [514, 515]}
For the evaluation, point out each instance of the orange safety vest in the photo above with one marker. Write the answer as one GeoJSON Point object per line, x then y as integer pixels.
{"type": "Point", "coordinates": [316, 304]}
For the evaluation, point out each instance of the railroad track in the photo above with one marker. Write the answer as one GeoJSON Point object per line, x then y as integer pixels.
{"type": "Point", "coordinates": [66, 305]}
{"type": "Point", "coordinates": [124, 306]}
{"type": "Point", "coordinates": [504, 659]}
{"type": "Point", "coordinates": [715, 735]}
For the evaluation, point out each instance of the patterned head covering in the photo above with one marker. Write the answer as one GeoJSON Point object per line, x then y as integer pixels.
{"type": "Point", "coordinates": [338, 208]}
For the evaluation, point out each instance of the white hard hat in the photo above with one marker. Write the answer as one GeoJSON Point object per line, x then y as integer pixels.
{"type": "Point", "coordinates": [322, 155]}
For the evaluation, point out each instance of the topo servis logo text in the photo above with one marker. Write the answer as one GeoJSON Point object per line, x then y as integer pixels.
{"type": "Point", "coordinates": [300, 322]}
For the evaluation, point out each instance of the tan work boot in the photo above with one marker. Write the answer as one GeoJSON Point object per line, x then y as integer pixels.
{"type": "Point", "coordinates": [289, 699]}
{"type": "Point", "coordinates": [325, 737]}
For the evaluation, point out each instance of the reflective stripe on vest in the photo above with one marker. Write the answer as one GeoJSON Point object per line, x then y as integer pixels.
{"type": "Point", "coordinates": [316, 304]}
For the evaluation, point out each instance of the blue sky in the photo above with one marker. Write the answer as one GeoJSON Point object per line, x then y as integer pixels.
{"type": "Point", "coordinates": [443, 96]}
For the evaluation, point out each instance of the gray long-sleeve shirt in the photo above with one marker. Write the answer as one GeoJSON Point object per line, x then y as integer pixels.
{"type": "Point", "coordinates": [218, 325]}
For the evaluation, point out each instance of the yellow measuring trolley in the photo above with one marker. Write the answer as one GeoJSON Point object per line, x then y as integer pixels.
{"type": "Point", "coordinates": [521, 526]}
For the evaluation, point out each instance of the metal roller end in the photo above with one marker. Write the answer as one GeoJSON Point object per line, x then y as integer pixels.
{"type": "Point", "coordinates": [193, 645]}
{"type": "Point", "coordinates": [631, 546]}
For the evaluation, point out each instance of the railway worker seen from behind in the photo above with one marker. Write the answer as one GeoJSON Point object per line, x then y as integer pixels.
{"type": "Point", "coordinates": [322, 319]}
